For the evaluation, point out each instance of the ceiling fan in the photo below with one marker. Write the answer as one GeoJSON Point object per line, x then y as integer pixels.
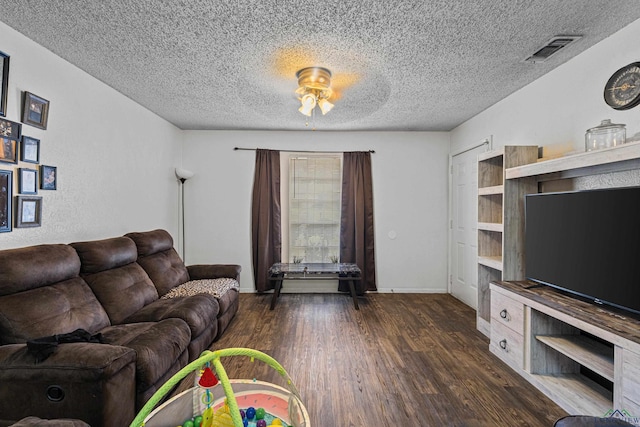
{"type": "Point", "coordinates": [317, 85]}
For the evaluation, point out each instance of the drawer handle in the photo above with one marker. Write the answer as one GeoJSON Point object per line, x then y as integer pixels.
{"type": "Point", "coordinates": [503, 344]}
{"type": "Point", "coordinates": [504, 313]}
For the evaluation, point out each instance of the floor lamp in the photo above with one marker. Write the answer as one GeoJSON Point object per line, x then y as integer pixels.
{"type": "Point", "coordinates": [182, 175]}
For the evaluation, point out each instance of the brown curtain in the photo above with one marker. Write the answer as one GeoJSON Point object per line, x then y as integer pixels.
{"type": "Point", "coordinates": [356, 224]}
{"type": "Point", "coordinates": [266, 236]}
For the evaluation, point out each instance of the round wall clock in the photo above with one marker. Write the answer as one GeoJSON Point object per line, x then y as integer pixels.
{"type": "Point", "coordinates": [622, 91]}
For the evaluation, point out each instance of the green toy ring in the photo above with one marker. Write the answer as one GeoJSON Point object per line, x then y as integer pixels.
{"type": "Point", "coordinates": [214, 358]}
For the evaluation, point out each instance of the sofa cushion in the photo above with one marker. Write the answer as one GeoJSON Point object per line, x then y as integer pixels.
{"type": "Point", "coordinates": [151, 242]}
{"type": "Point", "coordinates": [121, 285]}
{"type": "Point", "coordinates": [36, 266]}
{"type": "Point", "coordinates": [159, 259]}
{"type": "Point", "coordinates": [122, 291]}
{"type": "Point", "coordinates": [158, 345]}
{"type": "Point", "coordinates": [199, 311]}
{"type": "Point", "coordinates": [50, 310]}
{"type": "Point", "coordinates": [100, 255]}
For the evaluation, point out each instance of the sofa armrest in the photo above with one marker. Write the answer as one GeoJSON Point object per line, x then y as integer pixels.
{"type": "Point", "coordinates": [214, 271]}
{"type": "Point", "coordinates": [88, 381]}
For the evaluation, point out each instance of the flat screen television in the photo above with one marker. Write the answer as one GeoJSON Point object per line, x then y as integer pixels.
{"type": "Point", "coordinates": [586, 243]}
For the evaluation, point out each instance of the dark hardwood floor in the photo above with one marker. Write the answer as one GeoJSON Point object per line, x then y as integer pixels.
{"type": "Point", "coordinates": [401, 360]}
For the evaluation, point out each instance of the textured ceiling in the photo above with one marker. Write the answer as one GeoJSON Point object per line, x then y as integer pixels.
{"type": "Point", "coordinates": [399, 64]}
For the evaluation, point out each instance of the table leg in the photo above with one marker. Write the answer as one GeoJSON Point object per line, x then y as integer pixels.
{"type": "Point", "coordinates": [276, 294]}
{"type": "Point", "coordinates": [352, 289]}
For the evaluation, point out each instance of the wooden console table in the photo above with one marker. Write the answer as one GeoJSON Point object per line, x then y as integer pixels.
{"type": "Point", "coordinates": [314, 271]}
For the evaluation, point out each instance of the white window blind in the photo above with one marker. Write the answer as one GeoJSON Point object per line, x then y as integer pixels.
{"type": "Point", "coordinates": [315, 183]}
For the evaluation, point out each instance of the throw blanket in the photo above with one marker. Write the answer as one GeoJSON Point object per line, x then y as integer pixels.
{"type": "Point", "coordinates": [43, 347]}
{"type": "Point", "coordinates": [215, 287]}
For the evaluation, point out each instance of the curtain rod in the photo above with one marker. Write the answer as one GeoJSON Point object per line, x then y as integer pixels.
{"type": "Point", "coordinates": [295, 151]}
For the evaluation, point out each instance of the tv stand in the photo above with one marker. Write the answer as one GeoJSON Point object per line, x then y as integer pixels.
{"type": "Point", "coordinates": [583, 356]}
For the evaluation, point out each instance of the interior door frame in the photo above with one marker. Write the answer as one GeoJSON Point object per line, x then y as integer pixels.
{"type": "Point", "coordinates": [488, 143]}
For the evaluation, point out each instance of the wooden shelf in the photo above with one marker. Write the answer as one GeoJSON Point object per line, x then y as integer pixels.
{"type": "Point", "coordinates": [494, 262]}
{"type": "Point", "coordinates": [490, 155]}
{"type": "Point", "coordinates": [489, 191]}
{"type": "Point", "coordinates": [491, 226]}
{"type": "Point", "coordinates": [582, 164]}
{"type": "Point", "coordinates": [587, 352]}
{"type": "Point", "coordinates": [575, 393]}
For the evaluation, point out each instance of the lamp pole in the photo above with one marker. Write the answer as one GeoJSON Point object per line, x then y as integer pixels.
{"type": "Point", "coordinates": [183, 175]}
{"type": "Point", "coordinates": [182, 180]}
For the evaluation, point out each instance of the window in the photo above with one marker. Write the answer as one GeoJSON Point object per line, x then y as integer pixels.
{"type": "Point", "coordinates": [314, 194]}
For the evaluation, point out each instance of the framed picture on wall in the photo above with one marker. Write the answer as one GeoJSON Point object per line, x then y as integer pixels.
{"type": "Point", "coordinates": [8, 150]}
{"type": "Point", "coordinates": [30, 150]}
{"type": "Point", "coordinates": [28, 211]}
{"type": "Point", "coordinates": [6, 190]}
{"type": "Point", "coordinates": [48, 177]}
{"type": "Point", "coordinates": [27, 181]}
{"type": "Point", "coordinates": [4, 82]}
{"type": "Point", "coordinates": [10, 130]}
{"type": "Point", "coordinates": [35, 110]}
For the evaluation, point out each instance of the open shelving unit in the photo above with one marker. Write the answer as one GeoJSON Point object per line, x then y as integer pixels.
{"type": "Point", "coordinates": [496, 200]}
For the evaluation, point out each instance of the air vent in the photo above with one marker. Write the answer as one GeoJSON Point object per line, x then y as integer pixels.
{"type": "Point", "coordinates": [551, 47]}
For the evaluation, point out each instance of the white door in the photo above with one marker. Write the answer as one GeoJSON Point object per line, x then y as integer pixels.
{"type": "Point", "coordinates": [463, 256]}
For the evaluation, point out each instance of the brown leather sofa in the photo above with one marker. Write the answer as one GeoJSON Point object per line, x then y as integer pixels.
{"type": "Point", "coordinates": [101, 287]}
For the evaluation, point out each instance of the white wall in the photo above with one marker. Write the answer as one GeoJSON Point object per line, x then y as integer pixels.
{"type": "Point", "coordinates": [557, 109]}
{"type": "Point", "coordinates": [410, 196]}
{"type": "Point", "coordinates": [115, 159]}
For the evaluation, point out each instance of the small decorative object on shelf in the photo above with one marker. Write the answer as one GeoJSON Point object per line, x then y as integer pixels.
{"type": "Point", "coordinates": [297, 259]}
{"type": "Point", "coordinates": [605, 136]}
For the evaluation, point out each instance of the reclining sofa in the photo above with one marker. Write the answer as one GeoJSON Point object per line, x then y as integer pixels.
{"type": "Point", "coordinates": [150, 313]}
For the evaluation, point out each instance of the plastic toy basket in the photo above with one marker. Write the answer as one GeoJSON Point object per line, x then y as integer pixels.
{"type": "Point", "coordinates": [280, 402]}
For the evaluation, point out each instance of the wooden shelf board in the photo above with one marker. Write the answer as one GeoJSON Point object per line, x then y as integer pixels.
{"type": "Point", "coordinates": [575, 393]}
{"type": "Point", "coordinates": [491, 226]}
{"type": "Point", "coordinates": [489, 191]}
{"type": "Point", "coordinates": [584, 160]}
{"type": "Point", "coordinates": [494, 262]}
{"type": "Point", "coordinates": [490, 154]}
{"type": "Point", "coordinates": [587, 352]}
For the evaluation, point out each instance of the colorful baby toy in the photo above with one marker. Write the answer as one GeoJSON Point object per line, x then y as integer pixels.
{"type": "Point", "coordinates": [221, 402]}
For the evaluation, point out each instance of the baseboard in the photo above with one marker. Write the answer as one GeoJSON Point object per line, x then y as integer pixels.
{"type": "Point", "coordinates": [411, 291]}
{"type": "Point", "coordinates": [331, 289]}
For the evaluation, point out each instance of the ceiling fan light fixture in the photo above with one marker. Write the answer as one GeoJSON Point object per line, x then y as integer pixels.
{"type": "Point", "coordinates": [314, 88]}
{"type": "Point", "coordinates": [308, 104]}
{"type": "Point", "coordinates": [325, 106]}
